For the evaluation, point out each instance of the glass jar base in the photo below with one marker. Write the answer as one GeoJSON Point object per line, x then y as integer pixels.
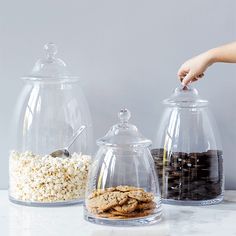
{"type": "Point", "coordinates": [213, 201]}
{"type": "Point", "coordinates": [46, 204]}
{"type": "Point", "coordinates": [141, 221]}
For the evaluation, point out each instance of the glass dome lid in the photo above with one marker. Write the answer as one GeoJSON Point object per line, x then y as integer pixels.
{"type": "Point", "coordinates": [124, 134]}
{"type": "Point", "coordinates": [50, 68]}
{"type": "Point", "coordinates": [185, 96]}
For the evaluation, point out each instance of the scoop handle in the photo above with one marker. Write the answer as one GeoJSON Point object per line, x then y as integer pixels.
{"type": "Point", "coordinates": [78, 132]}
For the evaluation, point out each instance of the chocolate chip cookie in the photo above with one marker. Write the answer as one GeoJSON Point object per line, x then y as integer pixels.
{"type": "Point", "coordinates": [108, 200]}
{"type": "Point", "coordinates": [128, 207]}
{"type": "Point", "coordinates": [121, 202]}
{"type": "Point", "coordinates": [141, 196]}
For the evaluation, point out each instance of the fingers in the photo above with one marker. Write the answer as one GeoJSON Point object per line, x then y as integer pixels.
{"type": "Point", "coordinates": [182, 73]}
{"type": "Point", "coordinates": [201, 75]}
{"type": "Point", "coordinates": [187, 79]}
{"type": "Point", "coordinates": [182, 76]}
{"type": "Point", "coordinates": [190, 78]}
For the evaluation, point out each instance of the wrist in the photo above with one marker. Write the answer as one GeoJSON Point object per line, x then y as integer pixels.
{"type": "Point", "coordinates": [211, 56]}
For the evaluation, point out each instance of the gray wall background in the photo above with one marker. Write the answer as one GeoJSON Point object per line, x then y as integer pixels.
{"type": "Point", "coordinates": [127, 53]}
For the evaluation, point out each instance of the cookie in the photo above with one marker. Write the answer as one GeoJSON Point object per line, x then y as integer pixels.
{"type": "Point", "coordinates": [105, 215]}
{"type": "Point", "coordinates": [146, 205]}
{"type": "Point", "coordinates": [108, 200]}
{"type": "Point", "coordinates": [117, 217]}
{"type": "Point", "coordinates": [110, 216]}
{"type": "Point", "coordinates": [128, 207]}
{"type": "Point", "coordinates": [98, 192]}
{"type": "Point", "coordinates": [141, 196]}
{"type": "Point", "coordinates": [133, 214]}
{"type": "Point", "coordinates": [121, 202]}
{"type": "Point", "coordinates": [142, 213]}
{"type": "Point", "coordinates": [125, 188]}
{"type": "Point", "coordinates": [94, 210]}
{"type": "Point", "coordinates": [118, 213]}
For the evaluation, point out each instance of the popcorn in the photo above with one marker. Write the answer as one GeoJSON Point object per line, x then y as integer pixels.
{"type": "Point", "coordinates": [38, 178]}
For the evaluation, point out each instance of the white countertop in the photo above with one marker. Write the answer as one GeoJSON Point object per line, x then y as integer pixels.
{"type": "Point", "coordinates": [177, 220]}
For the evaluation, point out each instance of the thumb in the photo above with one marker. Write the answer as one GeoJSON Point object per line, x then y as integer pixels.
{"type": "Point", "coordinates": [187, 79]}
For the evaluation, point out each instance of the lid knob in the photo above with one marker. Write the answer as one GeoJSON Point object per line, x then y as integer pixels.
{"type": "Point", "coordinates": [50, 67]}
{"type": "Point", "coordinates": [124, 115]}
{"type": "Point", "coordinates": [124, 134]}
{"type": "Point", "coordinates": [51, 50]}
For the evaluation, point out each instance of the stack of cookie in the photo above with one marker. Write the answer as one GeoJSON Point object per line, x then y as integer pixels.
{"type": "Point", "coordinates": [121, 202]}
{"type": "Point", "coordinates": [189, 176]}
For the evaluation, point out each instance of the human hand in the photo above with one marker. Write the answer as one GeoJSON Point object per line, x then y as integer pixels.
{"type": "Point", "coordinates": [194, 68]}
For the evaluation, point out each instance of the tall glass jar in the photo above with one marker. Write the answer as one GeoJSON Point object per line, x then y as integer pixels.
{"type": "Point", "coordinates": [187, 151]}
{"type": "Point", "coordinates": [49, 113]}
{"type": "Point", "coordinates": [122, 185]}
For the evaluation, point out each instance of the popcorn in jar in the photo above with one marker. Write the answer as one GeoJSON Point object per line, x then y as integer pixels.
{"type": "Point", "coordinates": [52, 135]}
{"type": "Point", "coordinates": [47, 179]}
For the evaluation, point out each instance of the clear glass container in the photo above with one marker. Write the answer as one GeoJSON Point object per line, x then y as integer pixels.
{"type": "Point", "coordinates": [49, 112]}
{"type": "Point", "coordinates": [122, 185]}
{"type": "Point", "coordinates": [187, 151]}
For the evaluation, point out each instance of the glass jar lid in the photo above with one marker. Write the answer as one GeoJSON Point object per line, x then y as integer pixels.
{"type": "Point", "coordinates": [124, 133]}
{"type": "Point", "coordinates": [185, 96]}
{"type": "Point", "coordinates": [50, 67]}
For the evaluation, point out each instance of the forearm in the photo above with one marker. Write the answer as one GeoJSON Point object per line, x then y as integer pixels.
{"type": "Point", "coordinates": [225, 53]}
{"type": "Point", "coordinates": [194, 68]}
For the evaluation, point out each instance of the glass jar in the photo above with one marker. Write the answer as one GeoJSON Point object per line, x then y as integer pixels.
{"type": "Point", "coordinates": [122, 185]}
{"type": "Point", "coordinates": [187, 151]}
{"type": "Point", "coordinates": [50, 111]}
